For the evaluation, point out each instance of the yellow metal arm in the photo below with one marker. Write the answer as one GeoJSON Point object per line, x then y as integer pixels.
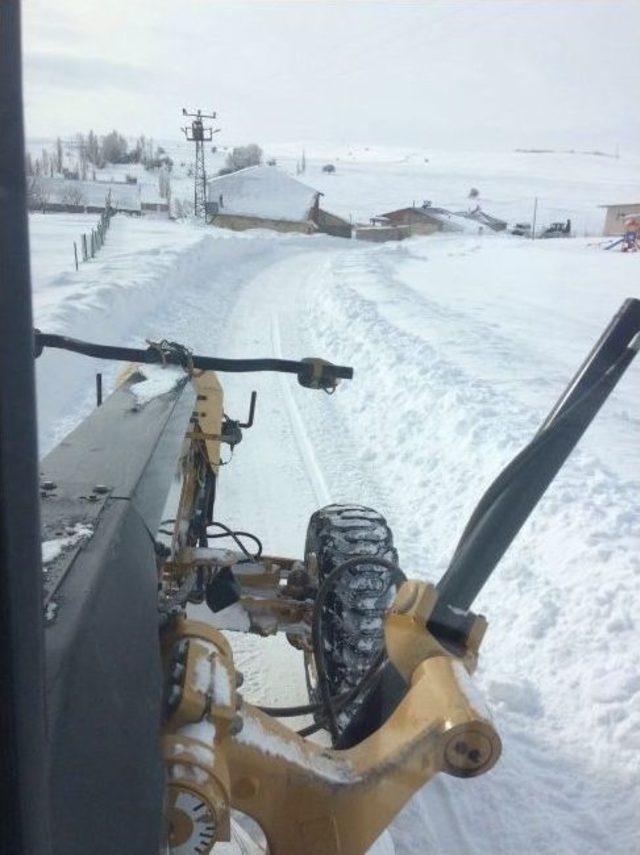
{"type": "Point", "coordinates": [308, 798]}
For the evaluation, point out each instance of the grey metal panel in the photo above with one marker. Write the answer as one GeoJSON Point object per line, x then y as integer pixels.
{"type": "Point", "coordinates": [104, 681]}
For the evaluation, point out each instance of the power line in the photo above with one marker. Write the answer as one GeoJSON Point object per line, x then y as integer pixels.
{"type": "Point", "coordinates": [199, 134]}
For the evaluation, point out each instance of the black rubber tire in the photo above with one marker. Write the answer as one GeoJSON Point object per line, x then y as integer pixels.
{"type": "Point", "coordinates": [352, 618]}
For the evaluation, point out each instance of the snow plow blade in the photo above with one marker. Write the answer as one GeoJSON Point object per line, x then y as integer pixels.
{"type": "Point", "coordinates": [102, 494]}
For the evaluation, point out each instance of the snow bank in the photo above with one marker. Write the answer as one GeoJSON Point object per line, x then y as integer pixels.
{"type": "Point", "coordinates": [52, 549]}
{"type": "Point", "coordinates": [158, 380]}
{"type": "Point", "coordinates": [460, 348]}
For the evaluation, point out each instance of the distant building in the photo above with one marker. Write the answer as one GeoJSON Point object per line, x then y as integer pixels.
{"type": "Point", "coordinates": [614, 223]}
{"type": "Point", "coordinates": [150, 198]}
{"type": "Point", "coordinates": [422, 220]}
{"type": "Point", "coordinates": [265, 197]}
{"type": "Point", "coordinates": [72, 196]}
{"type": "Point", "coordinates": [427, 219]}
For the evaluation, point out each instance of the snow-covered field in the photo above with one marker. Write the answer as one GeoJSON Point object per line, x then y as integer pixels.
{"type": "Point", "coordinates": [460, 346]}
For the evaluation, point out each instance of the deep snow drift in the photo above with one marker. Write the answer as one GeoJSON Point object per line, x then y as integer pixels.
{"type": "Point", "coordinates": [460, 346]}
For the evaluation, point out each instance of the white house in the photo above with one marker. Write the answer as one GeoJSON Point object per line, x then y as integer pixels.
{"type": "Point", "coordinates": [266, 197]}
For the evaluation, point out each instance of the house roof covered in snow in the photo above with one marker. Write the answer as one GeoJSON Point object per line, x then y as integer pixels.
{"type": "Point", "coordinates": [264, 192]}
{"type": "Point", "coordinates": [449, 221]}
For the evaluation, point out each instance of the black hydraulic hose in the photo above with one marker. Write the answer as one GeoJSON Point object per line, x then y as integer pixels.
{"type": "Point", "coordinates": [311, 728]}
{"type": "Point", "coordinates": [340, 701]}
{"type": "Point", "coordinates": [337, 701]}
{"type": "Point", "coordinates": [180, 356]}
{"type": "Point", "coordinates": [235, 536]}
{"type": "Point", "coordinates": [316, 626]}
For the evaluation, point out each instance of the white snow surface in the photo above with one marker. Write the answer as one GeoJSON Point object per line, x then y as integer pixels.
{"type": "Point", "coordinates": [262, 191]}
{"type": "Point", "coordinates": [158, 380]}
{"type": "Point", "coordinates": [460, 345]}
{"type": "Point", "coordinates": [52, 549]}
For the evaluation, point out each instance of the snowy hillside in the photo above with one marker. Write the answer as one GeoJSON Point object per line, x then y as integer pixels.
{"type": "Point", "coordinates": [460, 346]}
{"type": "Point", "coordinates": [372, 179]}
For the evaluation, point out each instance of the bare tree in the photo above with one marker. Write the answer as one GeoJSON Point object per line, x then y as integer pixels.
{"type": "Point", "coordinates": [59, 157]}
{"type": "Point", "coordinates": [83, 157]}
{"type": "Point", "coordinates": [37, 194]}
{"type": "Point", "coordinates": [94, 152]}
{"type": "Point", "coordinates": [164, 183]}
{"type": "Point", "coordinates": [74, 195]}
{"type": "Point", "coordinates": [114, 148]}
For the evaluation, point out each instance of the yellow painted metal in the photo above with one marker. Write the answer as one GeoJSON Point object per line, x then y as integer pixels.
{"type": "Point", "coordinates": [209, 413]}
{"type": "Point", "coordinates": [310, 799]}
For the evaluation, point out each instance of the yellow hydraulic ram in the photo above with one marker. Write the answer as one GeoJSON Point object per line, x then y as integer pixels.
{"type": "Point", "coordinates": [222, 753]}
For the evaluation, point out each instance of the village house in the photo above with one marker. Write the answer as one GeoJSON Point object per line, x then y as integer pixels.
{"type": "Point", "coordinates": [421, 220]}
{"type": "Point", "coordinates": [614, 223]}
{"type": "Point", "coordinates": [62, 195]}
{"type": "Point", "coordinates": [265, 197]}
{"type": "Point", "coordinates": [427, 219]}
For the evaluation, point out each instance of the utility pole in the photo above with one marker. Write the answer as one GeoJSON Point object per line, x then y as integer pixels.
{"type": "Point", "coordinates": [198, 134]}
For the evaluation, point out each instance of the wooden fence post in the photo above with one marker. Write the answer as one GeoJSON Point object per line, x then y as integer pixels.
{"type": "Point", "coordinates": [93, 244]}
{"type": "Point", "coordinates": [85, 252]}
{"type": "Point", "coordinates": [75, 253]}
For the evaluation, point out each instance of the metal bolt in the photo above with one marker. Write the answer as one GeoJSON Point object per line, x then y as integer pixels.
{"type": "Point", "coordinates": [100, 488]}
{"type": "Point", "coordinates": [239, 678]}
{"type": "Point", "coordinates": [235, 725]}
{"type": "Point", "coordinates": [474, 755]}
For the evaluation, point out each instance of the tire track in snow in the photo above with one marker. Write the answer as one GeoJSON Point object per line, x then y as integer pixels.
{"type": "Point", "coordinates": [316, 477]}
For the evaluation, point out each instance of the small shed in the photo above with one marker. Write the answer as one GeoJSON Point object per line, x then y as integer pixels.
{"type": "Point", "coordinates": [422, 220]}
{"type": "Point", "coordinates": [427, 219]}
{"type": "Point", "coordinates": [614, 222]}
{"type": "Point", "coordinates": [265, 197]}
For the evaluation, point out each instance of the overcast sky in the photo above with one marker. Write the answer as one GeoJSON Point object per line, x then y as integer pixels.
{"type": "Point", "coordinates": [458, 73]}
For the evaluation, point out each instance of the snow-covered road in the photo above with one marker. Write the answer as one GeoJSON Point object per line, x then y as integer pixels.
{"type": "Point", "coordinates": [460, 346]}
